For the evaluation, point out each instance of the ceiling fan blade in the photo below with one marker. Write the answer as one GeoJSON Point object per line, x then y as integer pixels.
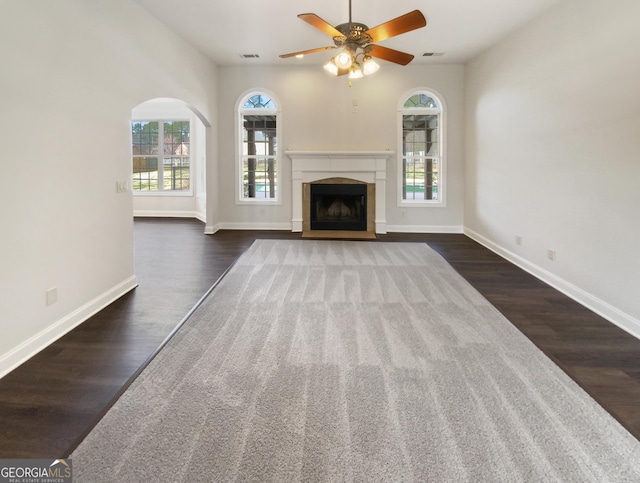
{"type": "Point", "coordinates": [391, 55]}
{"type": "Point", "coordinates": [400, 25]}
{"type": "Point", "coordinates": [303, 52]}
{"type": "Point", "coordinates": [315, 21]}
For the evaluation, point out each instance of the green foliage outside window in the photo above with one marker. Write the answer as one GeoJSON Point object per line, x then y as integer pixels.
{"type": "Point", "coordinates": [168, 141]}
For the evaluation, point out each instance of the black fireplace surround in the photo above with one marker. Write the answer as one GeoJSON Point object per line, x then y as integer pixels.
{"type": "Point", "coordinates": [339, 207]}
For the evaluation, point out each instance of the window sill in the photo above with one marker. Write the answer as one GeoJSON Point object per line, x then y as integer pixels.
{"type": "Point", "coordinates": [259, 202]}
{"type": "Point", "coordinates": [421, 204]}
{"type": "Point", "coordinates": [184, 194]}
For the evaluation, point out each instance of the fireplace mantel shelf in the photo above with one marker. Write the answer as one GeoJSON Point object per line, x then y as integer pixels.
{"type": "Point", "coordinates": [365, 166]}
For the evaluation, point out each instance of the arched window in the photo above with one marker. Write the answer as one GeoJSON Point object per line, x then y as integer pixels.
{"type": "Point", "coordinates": [421, 167]}
{"type": "Point", "coordinates": [258, 114]}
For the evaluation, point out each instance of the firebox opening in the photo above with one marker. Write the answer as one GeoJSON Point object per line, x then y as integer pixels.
{"type": "Point", "coordinates": [339, 207]}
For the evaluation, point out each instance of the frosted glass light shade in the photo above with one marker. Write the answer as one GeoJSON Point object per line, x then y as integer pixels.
{"type": "Point", "coordinates": [370, 66]}
{"type": "Point", "coordinates": [356, 73]}
{"type": "Point", "coordinates": [331, 67]}
{"type": "Point", "coordinates": [343, 60]}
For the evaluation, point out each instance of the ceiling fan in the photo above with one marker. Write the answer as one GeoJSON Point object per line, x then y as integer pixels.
{"type": "Point", "coordinates": [358, 43]}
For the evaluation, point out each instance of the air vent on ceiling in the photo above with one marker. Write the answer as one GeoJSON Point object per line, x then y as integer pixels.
{"type": "Point", "coordinates": [250, 56]}
{"type": "Point", "coordinates": [433, 54]}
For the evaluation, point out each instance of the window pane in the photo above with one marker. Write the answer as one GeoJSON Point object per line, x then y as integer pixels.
{"type": "Point", "coordinates": [259, 177]}
{"type": "Point", "coordinates": [259, 146]}
{"type": "Point", "coordinates": [420, 180]}
{"type": "Point", "coordinates": [420, 135]}
{"type": "Point", "coordinates": [176, 173]}
{"type": "Point", "coordinates": [421, 149]}
{"type": "Point", "coordinates": [259, 135]}
{"type": "Point", "coordinates": [420, 101]}
{"type": "Point", "coordinates": [259, 101]}
{"type": "Point", "coordinates": [149, 139]}
{"type": "Point", "coordinates": [414, 179]}
{"type": "Point", "coordinates": [145, 174]}
{"type": "Point", "coordinates": [144, 137]}
{"type": "Point", "coordinates": [176, 137]}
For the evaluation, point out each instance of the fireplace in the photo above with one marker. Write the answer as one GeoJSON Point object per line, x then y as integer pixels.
{"type": "Point", "coordinates": [338, 207]}
{"type": "Point", "coordinates": [339, 167]}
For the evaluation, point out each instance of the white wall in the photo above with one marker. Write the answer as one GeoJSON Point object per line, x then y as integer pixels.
{"type": "Point", "coordinates": [552, 146]}
{"type": "Point", "coordinates": [72, 71]}
{"type": "Point", "coordinates": [317, 114]}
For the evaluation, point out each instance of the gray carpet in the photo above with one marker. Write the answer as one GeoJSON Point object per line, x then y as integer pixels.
{"type": "Point", "coordinates": [352, 361]}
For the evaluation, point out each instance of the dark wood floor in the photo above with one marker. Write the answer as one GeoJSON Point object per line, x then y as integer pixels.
{"type": "Point", "coordinates": [51, 402]}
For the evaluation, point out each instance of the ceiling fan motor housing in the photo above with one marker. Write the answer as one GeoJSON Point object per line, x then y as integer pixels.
{"type": "Point", "coordinates": [353, 36]}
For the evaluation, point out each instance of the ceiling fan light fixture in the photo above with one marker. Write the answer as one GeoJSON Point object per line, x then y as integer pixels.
{"type": "Point", "coordinates": [358, 43]}
{"type": "Point", "coordinates": [369, 66]}
{"type": "Point", "coordinates": [331, 67]}
{"type": "Point", "coordinates": [343, 60]}
{"type": "Point", "coordinates": [355, 72]}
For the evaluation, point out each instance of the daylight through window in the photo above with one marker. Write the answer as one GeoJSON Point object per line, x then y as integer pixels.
{"type": "Point", "coordinates": [259, 158]}
{"type": "Point", "coordinates": [161, 155]}
{"type": "Point", "coordinates": [421, 149]}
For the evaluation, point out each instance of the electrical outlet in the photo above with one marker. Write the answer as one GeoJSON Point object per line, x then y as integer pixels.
{"type": "Point", "coordinates": [518, 239]}
{"type": "Point", "coordinates": [52, 295]}
{"type": "Point", "coordinates": [551, 254]}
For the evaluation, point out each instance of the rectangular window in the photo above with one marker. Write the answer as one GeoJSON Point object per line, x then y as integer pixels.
{"type": "Point", "coordinates": [161, 156]}
{"type": "Point", "coordinates": [420, 157]}
{"type": "Point", "coordinates": [259, 171]}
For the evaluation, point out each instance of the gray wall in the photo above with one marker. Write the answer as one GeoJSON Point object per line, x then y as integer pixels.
{"type": "Point", "coordinates": [552, 146]}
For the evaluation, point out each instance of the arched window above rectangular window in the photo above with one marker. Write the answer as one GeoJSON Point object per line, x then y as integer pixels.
{"type": "Point", "coordinates": [421, 163]}
{"type": "Point", "coordinates": [258, 147]}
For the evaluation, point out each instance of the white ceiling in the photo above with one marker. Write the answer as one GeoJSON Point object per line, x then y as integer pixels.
{"type": "Point", "coordinates": [225, 29]}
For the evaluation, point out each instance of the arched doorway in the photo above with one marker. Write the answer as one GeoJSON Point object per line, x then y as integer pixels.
{"type": "Point", "coordinates": [168, 160]}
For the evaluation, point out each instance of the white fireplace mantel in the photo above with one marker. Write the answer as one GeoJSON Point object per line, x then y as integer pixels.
{"type": "Point", "coordinates": [365, 166]}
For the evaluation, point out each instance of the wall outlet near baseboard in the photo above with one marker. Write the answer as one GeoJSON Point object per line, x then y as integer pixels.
{"type": "Point", "coordinates": [518, 239]}
{"type": "Point", "coordinates": [52, 296]}
{"type": "Point", "coordinates": [551, 254]}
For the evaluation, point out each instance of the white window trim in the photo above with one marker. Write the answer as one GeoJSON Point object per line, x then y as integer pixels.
{"type": "Point", "coordinates": [442, 140]}
{"type": "Point", "coordinates": [239, 111]}
{"type": "Point", "coordinates": [171, 193]}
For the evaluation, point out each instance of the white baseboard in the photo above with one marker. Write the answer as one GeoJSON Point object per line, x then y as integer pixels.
{"type": "Point", "coordinates": [167, 214]}
{"type": "Point", "coordinates": [593, 303]}
{"type": "Point", "coordinates": [380, 227]}
{"type": "Point", "coordinates": [424, 229]}
{"type": "Point", "coordinates": [228, 225]}
{"type": "Point", "coordinates": [211, 229]}
{"type": "Point", "coordinates": [296, 225]}
{"type": "Point", "coordinates": [12, 359]}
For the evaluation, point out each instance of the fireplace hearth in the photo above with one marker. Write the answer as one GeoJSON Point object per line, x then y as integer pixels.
{"type": "Point", "coordinates": [338, 207]}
